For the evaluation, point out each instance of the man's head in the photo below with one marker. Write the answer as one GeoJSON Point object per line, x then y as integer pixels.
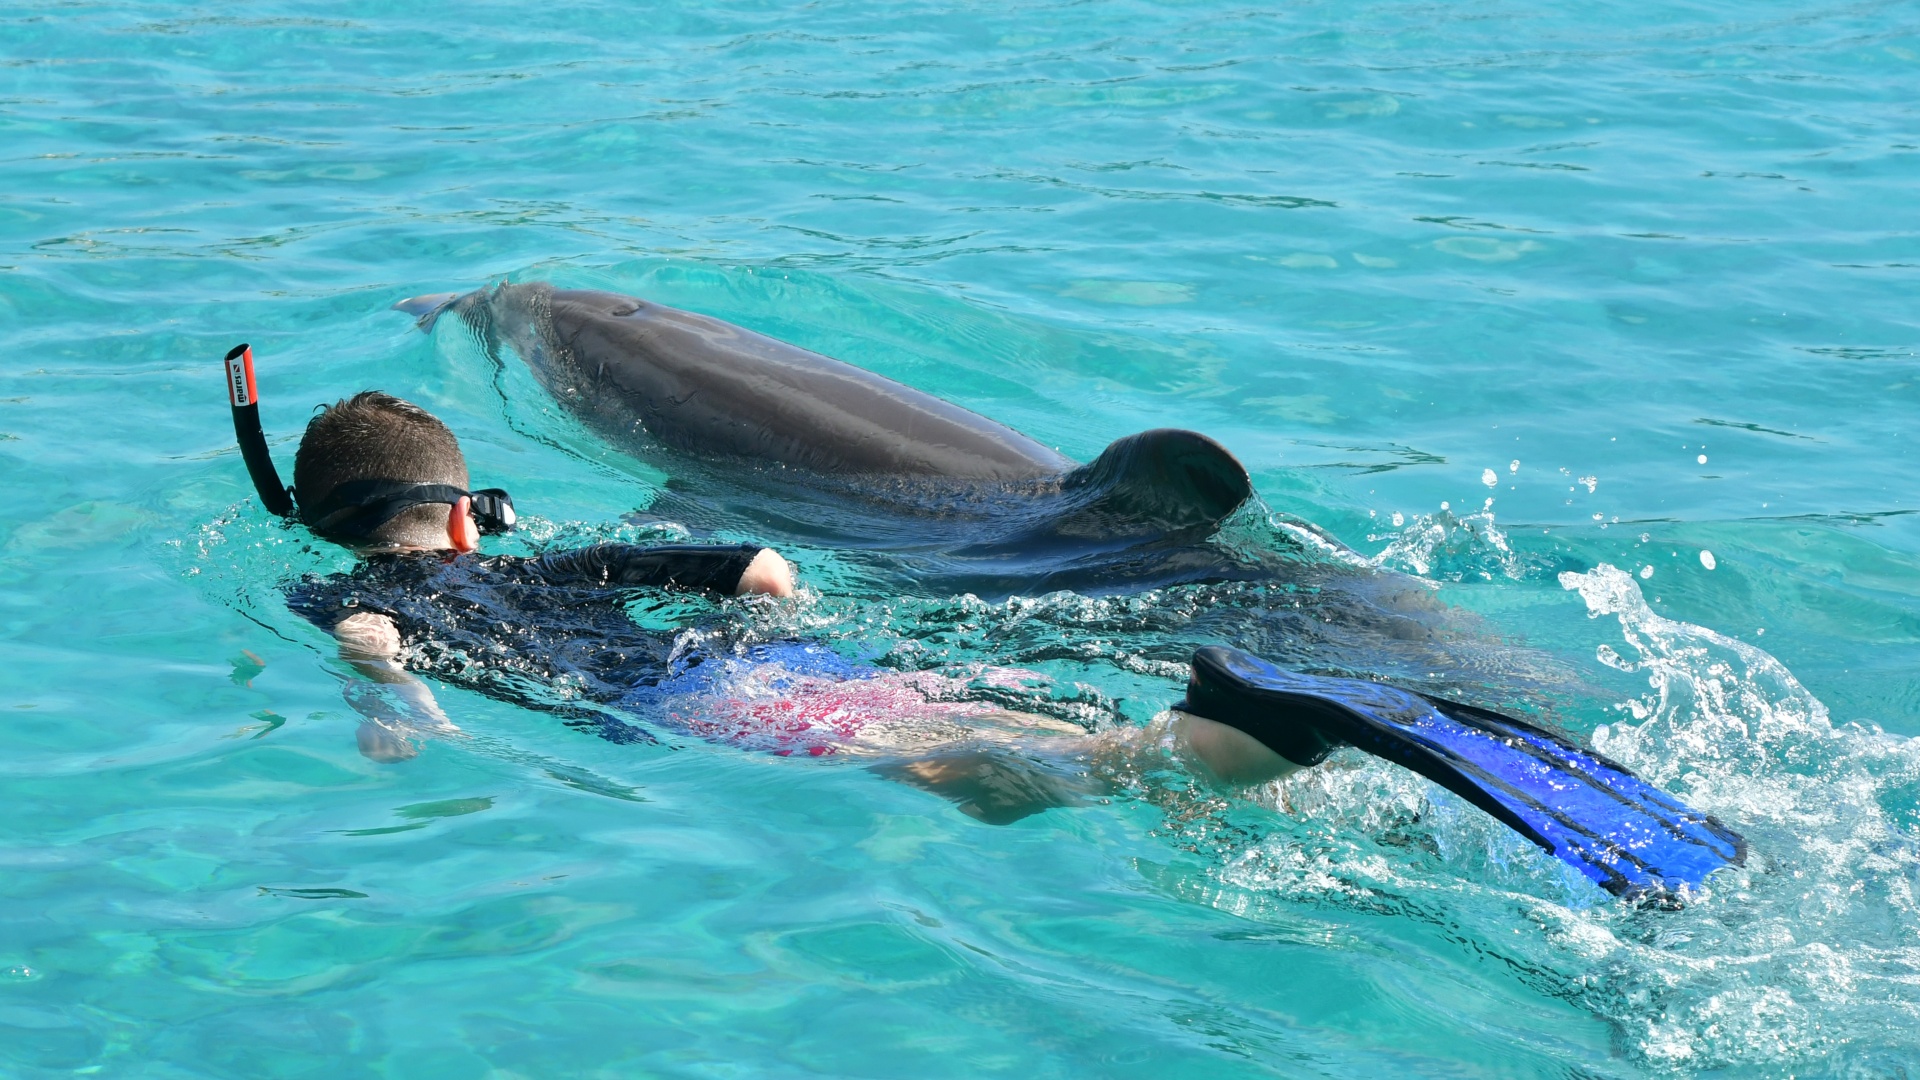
{"type": "Point", "coordinates": [374, 436]}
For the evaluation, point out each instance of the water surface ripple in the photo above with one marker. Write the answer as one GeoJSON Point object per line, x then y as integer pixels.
{"type": "Point", "coordinates": [1641, 276]}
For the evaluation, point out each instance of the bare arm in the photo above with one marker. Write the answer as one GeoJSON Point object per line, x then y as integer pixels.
{"type": "Point", "coordinates": [395, 706]}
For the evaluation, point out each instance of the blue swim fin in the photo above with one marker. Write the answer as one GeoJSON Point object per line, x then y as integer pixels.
{"type": "Point", "coordinates": [1630, 837]}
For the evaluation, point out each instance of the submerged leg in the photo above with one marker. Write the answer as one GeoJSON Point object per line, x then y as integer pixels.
{"type": "Point", "coordinates": [1231, 755]}
{"type": "Point", "coordinates": [993, 784]}
{"type": "Point", "coordinates": [1628, 836]}
{"type": "Point", "coordinates": [1000, 781]}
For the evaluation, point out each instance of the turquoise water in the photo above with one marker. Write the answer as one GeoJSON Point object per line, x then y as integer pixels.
{"type": "Point", "coordinates": [1643, 277]}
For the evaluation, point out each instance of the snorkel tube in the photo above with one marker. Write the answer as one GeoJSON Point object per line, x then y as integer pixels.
{"type": "Point", "coordinates": [244, 396]}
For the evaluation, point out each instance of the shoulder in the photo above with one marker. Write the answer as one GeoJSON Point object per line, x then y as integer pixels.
{"type": "Point", "coordinates": [325, 600]}
{"type": "Point", "coordinates": [384, 585]}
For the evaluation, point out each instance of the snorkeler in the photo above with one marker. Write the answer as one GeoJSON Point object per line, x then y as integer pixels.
{"type": "Point", "coordinates": [388, 479]}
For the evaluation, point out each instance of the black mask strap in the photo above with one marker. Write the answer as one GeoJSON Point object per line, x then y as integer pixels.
{"type": "Point", "coordinates": [353, 510]}
{"type": "Point", "coordinates": [245, 398]}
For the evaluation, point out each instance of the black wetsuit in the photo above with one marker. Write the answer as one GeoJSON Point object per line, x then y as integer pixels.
{"type": "Point", "coordinates": [553, 633]}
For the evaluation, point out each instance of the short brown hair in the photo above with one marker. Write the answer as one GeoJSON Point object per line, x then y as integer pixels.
{"type": "Point", "coordinates": [376, 436]}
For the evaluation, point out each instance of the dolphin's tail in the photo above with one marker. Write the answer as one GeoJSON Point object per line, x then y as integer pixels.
{"type": "Point", "coordinates": [425, 309]}
{"type": "Point", "coordinates": [1630, 837]}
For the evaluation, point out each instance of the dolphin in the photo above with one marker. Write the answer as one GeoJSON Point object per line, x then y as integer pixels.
{"type": "Point", "coordinates": [780, 439]}
{"type": "Point", "coordinates": [705, 386]}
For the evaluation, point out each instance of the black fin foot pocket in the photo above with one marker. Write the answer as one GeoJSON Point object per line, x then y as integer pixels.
{"type": "Point", "coordinates": [1628, 836]}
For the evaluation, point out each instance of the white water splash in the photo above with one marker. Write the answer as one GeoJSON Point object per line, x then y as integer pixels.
{"type": "Point", "coordinates": [1451, 548]}
{"type": "Point", "coordinates": [1806, 961]}
{"type": "Point", "coordinates": [1812, 945]}
{"type": "Point", "coordinates": [1716, 704]}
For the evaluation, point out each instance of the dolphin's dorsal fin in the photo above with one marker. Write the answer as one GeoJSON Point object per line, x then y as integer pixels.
{"type": "Point", "coordinates": [1162, 483]}
{"type": "Point", "coordinates": [425, 309]}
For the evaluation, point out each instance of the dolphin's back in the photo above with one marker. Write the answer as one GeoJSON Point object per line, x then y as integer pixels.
{"type": "Point", "coordinates": [706, 386]}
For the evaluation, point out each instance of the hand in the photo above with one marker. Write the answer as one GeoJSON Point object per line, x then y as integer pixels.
{"type": "Point", "coordinates": [768, 574]}
{"type": "Point", "coordinates": [378, 742]}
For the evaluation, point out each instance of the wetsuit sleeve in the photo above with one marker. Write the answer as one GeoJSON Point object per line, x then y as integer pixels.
{"type": "Point", "coordinates": [673, 566]}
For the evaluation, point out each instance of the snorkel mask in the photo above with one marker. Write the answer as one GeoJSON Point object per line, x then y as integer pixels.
{"type": "Point", "coordinates": [353, 510]}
